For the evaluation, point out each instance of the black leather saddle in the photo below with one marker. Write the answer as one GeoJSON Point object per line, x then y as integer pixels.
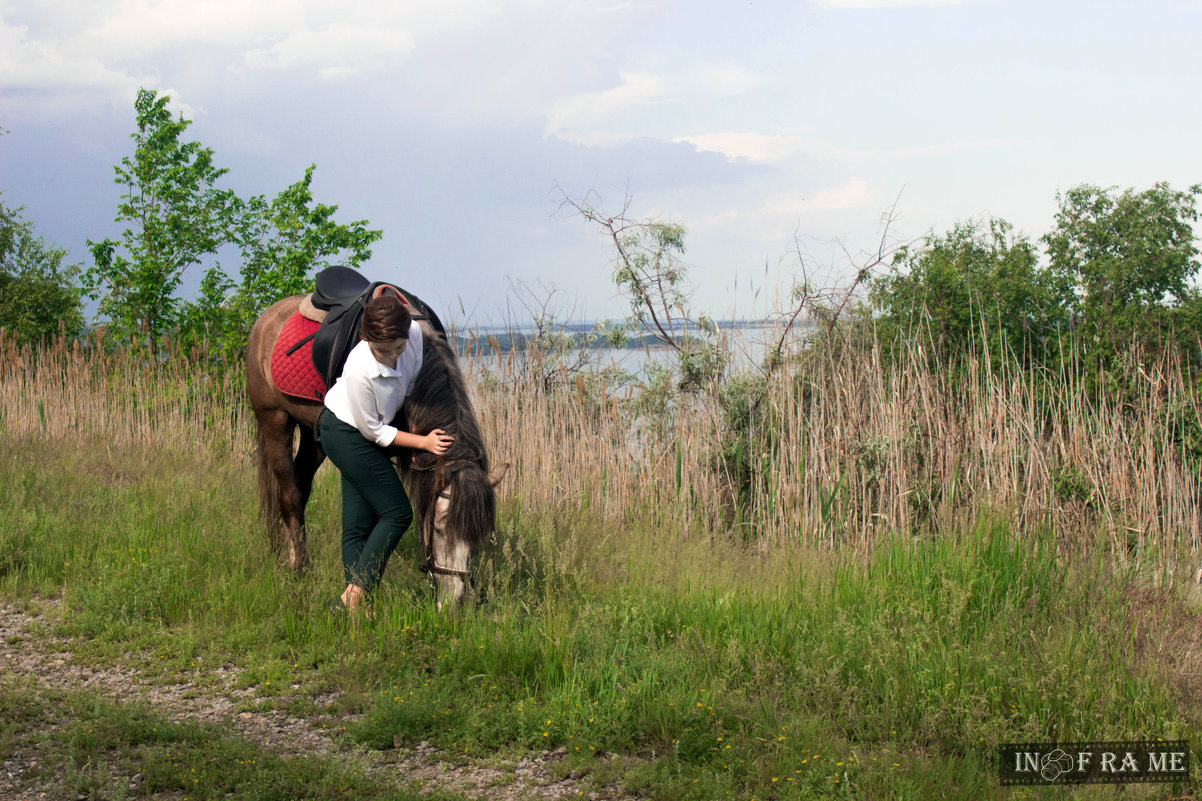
{"type": "Point", "coordinates": [343, 293]}
{"type": "Point", "coordinates": [335, 284]}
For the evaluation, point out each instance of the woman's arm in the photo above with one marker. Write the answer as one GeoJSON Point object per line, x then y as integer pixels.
{"type": "Point", "coordinates": [436, 442]}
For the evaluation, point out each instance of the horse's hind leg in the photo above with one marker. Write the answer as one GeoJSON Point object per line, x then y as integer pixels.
{"type": "Point", "coordinates": [277, 470]}
{"type": "Point", "coordinates": [309, 456]}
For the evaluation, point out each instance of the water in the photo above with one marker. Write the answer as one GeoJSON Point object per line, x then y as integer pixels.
{"type": "Point", "coordinates": [746, 342]}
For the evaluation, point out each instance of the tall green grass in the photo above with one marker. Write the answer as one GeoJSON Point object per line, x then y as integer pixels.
{"type": "Point", "coordinates": [713, 669]}
{"type": "Point", "coordinates": [913, 568]}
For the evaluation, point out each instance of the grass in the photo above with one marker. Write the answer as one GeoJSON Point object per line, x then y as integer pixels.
{"type": "Point", "coordinates": [712, 669]}
{"type": "Point", "coordinates": [904, 572]}
{"type": "Point", "coordinates": [96, 748]}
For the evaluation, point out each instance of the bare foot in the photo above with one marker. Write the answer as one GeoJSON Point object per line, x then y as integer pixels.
{"type": "Point", "coordinates": [356, 601]}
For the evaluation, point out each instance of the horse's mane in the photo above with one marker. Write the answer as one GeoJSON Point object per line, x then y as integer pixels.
{"type": "Point", "coordinates": [440, 400]}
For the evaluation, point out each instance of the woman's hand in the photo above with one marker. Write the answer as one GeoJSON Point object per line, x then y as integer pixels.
{"type": "Point", "coordinates": [437, 442]}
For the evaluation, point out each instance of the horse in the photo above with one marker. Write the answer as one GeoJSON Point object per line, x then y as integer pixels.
{"type": "Point", "coordinates": [453, 495]}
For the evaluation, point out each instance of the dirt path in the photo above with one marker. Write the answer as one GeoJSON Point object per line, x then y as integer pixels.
{"type": "Point", "coordinates": [30, 652]}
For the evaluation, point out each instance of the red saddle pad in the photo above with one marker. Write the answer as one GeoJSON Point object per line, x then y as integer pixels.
{"type": "Point", "coordinates": [292, 369]}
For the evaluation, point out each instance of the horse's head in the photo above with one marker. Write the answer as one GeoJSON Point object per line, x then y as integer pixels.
{"type": "Point", "coordinates": [454, 491]}
{"type": "Point", "coordinates": [463, 515]}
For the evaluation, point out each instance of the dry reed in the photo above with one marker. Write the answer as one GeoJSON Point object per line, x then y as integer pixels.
{"type": "Point", "coordinates": [78, 391]}
{"type": "Point", "coordinates": [852, 445]}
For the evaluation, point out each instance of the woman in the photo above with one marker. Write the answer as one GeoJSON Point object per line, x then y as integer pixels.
{"type": "Point", "coordinates": [355, 430]}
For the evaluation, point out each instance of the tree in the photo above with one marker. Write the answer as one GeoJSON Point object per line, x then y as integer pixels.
{"type": "Point", "coordinates": [284, 242]}
{"type": "Point", "coordinates": [176, 218]}
{"type": "Point", "coordinates": [1129, 259]}
{"type": "Point", "coordinates": [650, 272]}
{"type": "Point", "coordinates": [39, 294]}
{"type": "Point", "coordinates": [979, 284]}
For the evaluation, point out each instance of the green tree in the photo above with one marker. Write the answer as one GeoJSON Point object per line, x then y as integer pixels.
{"type": "Point", "coordinates": [649, 270]}
{"type": "Point", "coordinates": [39, 294]}
{"type": "Point", "coordinates": [207, 324]}
{"type": "Point", "coordinates": [285, 241]}
{"type": "Point", "coordinates": [1129, 258]}
{"type": "Point", "coordinates": [176, 218]}
{"type": "Point", "coordinates": [977, 286]}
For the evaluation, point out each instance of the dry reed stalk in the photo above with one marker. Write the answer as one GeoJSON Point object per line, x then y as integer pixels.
{"type": "Point", "coordinates": [70, 391]}
{"type": "Point", "coordinates": [850, 445]}
{"type": "Point", "coordinates": [951, 445]}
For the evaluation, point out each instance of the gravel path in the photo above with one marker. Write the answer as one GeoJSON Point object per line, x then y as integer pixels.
{"type": "Point", "coordinates": [30, 652]}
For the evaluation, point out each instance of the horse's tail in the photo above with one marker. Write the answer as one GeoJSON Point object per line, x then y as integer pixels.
{"type": "Point", "coordinates": [474, 510]}
{"type": "Point", "coordinates": [269, 491]}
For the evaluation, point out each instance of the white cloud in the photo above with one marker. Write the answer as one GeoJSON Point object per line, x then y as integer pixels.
{"type": "Point", "coordinates": [578, 118]}
{"type": "Point", "coordinates": [790, 148]}
{"type": "Point", "coordinates": [778, 215]}
{"type": "Point", "coordinates": [724, 79]}
{"type": "Point", "coordinates": [748, 145]}
{"type": "Point", "coordinates": [137, 28]}
{"type": "Point", "coordinates": [939, 148]}
{"type": "Point", "coordinates": [45, 74]}
{"type": "Point", "coordinates": [571, 117]}
{"type": "Point", "coordinates": [339, 51]}
{"type": "Point", "coordinates": [851, 195]}
{"type": "Point", "coordinates": [855, 4]}
{"type": "Point", "coordinates": [487, 59]}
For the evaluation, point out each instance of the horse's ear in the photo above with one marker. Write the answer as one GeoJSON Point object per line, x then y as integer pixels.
{"type": "Point", "coordinates": [496, 475]}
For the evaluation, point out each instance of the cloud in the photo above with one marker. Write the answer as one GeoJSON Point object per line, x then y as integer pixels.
{"type": "Point", "coordinates": [851, 195]}
{"type": "Point", "coordinates": [579, 118]}
{"type": "Point", "coordinates": [46, 75]}
{"type": "Point", "coordinates": [138, 28]}
{"type": "Point", "coordinates": [939, 148]}
{"type": "Point", "coordinates": [777, 216]}
{"type": "Point", "coordinates": [792, 149]}
{"type": "Point", "coordinates": [748, 145]}
{"type": "Point", "coordinates": [724, 79]}
{"type": "Point", "coordinates": [339, 51]}
{"type": "Point", "coordinates": [856, 4]}
{"type": "Point", "coordinates": [571, 117]}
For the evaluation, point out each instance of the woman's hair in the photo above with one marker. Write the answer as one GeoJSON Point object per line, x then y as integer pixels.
{"type": "Point", "coordinates": [386, 318]}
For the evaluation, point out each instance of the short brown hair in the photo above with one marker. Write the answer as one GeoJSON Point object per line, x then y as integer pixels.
{"type": "Point", "coordinates": [387, 317]}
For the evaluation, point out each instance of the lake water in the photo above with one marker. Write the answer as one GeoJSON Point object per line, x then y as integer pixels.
{"type": "Point", "coordinates": [747, 343]}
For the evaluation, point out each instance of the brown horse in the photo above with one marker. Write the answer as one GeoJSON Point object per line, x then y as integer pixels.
{"type": "Point", "coordinates": [452, 495]}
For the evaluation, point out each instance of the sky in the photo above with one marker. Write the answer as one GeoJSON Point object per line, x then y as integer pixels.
{"type": "Point", "coordinates": [780, 134]}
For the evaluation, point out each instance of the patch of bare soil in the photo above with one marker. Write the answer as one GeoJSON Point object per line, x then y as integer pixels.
{"type": "Point", "coordinates": [28, 652]}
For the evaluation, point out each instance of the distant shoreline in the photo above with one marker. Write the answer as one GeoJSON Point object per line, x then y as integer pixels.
{"type": "Point", "coordinates": [485, 340]}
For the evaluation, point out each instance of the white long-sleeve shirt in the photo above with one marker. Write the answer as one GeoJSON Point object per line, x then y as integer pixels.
{"type": "Point", "coordinates": [368, 394]}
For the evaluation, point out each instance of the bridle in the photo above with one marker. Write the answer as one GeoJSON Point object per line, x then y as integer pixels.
{"type": "Point", "coordinates": [430, 567]}
{"type": "Point", "coordinates": [440, 469]}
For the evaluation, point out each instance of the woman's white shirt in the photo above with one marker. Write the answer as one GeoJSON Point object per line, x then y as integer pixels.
{"type": "Point", "coordinates": [368, 394]}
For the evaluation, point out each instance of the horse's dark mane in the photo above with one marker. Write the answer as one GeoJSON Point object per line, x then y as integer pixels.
{"type": "Point", "coordinates": [440, 400]}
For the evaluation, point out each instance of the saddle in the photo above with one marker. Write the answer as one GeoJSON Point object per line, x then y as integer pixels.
{"type": "Point", "coordinates": [313, 344]}
{"type": "Point", "coordinates": [343, 293]}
